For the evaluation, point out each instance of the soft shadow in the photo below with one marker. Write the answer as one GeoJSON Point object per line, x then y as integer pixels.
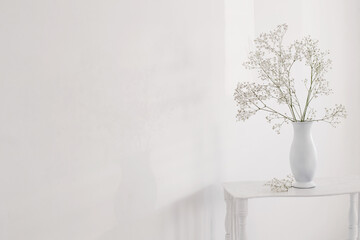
{"type": "Point", "coordinates": [135, 198]}
{"type": "Point", "coordinates": [195, 217]}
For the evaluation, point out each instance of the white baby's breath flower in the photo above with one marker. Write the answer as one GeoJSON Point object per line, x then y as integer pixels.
{"type": "Point", "coordinates": [281, 185]}
{"type": "Point", "coordinates": [273, 61]}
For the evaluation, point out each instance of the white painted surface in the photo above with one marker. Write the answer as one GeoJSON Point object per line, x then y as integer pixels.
{"type": "Point", "coordinates": [358, 217]}
{"type": "Point", "coordinates": [236, 216]}
{"type": "Point", "coordinates": [109, 124]}
{"type": "Point", "coordinates": [353, 225]}
{"type": "Point", "coordinates": [325, 187]}
{"type": "Point", "coordinates": [238, 194]}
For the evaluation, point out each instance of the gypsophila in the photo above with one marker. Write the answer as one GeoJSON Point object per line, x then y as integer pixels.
{"type": "Point", "coordinates": [273, 62]}
{"type": "Point", "coordinates": [281, 185]}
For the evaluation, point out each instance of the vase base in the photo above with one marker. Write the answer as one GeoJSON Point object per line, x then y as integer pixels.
{"type": "Point", "coordinates": [304, 185]}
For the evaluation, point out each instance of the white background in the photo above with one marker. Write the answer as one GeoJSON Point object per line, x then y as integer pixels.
{"type": "Point", "coordinates": [118, 120]}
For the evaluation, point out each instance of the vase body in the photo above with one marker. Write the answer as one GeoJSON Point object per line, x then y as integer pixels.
{"type": "Point", "coordinates": [303, 155]}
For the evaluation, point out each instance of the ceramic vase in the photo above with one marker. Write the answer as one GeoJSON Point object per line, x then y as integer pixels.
{"type": "Point", "coordinates": [303, 155]}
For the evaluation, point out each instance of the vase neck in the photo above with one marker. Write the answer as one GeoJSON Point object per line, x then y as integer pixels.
{"type": "Point", "coordinates": [302, 127]}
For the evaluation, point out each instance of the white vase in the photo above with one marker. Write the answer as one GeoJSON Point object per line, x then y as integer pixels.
{"type": "Point", "coordinates": [303, 155]}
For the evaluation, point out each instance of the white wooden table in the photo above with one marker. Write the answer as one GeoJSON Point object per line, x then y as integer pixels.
{"type": "Point", "coordinates": [238, 193]}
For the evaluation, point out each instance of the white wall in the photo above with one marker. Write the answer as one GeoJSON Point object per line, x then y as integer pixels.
{"type": "Point", "coordinates": [109, 126]}
{"type": "Point", "coordinates": [253, 151]}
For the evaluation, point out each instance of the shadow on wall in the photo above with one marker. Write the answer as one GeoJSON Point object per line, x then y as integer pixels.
{"type": "Point", "coordinates": [135, 206]}
{"type": "Point", "coordinates": [194, 217]}
{"type": "Point", "coordinates": [190, 218]}
{"type": "Point", "coordinates": [136, 195]}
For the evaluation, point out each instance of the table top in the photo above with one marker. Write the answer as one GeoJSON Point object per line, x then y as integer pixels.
{"type": "Point", "coordinates": [324, 187]}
